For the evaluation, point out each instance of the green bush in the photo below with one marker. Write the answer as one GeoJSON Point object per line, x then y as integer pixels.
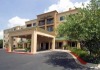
{"type": "Point", "coordinates": [20, 47]}
{"type": "Point", "coordinates": [79, 52]}
{"type": "Point", "coordinates": [85, 55]}
{"type": "Point", "coordinates": [27, 49]}
{"type": "Point", "coordinates": [91, 59]}
{"type": "Point", "coordinates": [65, 46]}
{"type": "Point", "coordinates": [1, 43]}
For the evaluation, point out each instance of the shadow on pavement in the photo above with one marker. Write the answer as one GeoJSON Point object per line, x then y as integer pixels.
{"type": "Point", "coordinates": [64, 60]}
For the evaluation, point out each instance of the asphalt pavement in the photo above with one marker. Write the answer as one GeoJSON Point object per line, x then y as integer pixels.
{"type": "Point", "coordinates": [42, 61]}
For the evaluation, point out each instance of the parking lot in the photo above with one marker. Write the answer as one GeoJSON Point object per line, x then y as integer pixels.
{"type": "Point", "coordinates": [41, 61]}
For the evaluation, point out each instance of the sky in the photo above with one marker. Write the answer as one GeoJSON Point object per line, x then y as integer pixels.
{"type": "Point", "coordinates": [16, 12]}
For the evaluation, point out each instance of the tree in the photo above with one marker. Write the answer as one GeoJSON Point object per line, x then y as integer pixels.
{"type": "Point", "coordinates": [1, 43]}
{"type": "Point", "coordinates": [84, 26]}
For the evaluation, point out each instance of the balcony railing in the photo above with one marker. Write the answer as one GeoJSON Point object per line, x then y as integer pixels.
{"type": "Point", "coordinates": [50, 21]}
{"type": "Point", "coordinates": [41, 23]}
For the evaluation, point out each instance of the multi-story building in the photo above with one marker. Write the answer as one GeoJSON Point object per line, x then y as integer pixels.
{"type": "Point", "coordinates": [41, 32]}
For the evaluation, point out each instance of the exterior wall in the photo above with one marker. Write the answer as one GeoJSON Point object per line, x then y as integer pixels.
{"type": "Point", "coordinates": [54, 16]}
{"type": "Point", "coordinates": [46, 17]}
{"type": "Point", "coordinates": [31, 22]}
{"type": "Point", "coordinates": [64, 14]}
{"type": "Point", "coordinates": [6, 36]}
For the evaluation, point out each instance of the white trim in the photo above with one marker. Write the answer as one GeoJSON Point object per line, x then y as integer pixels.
{"type": "Point", "coordinates": [44, 34]}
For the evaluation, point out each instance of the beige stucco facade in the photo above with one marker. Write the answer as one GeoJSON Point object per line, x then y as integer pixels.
{"type": "Point", "coordinates": [40, 31]}
{"type": "Point", "coordinates": [34, 34]}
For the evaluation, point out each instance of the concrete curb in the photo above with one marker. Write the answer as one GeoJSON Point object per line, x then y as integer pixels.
{"type": "Point", "coordinates": [90, 65]}
{"type": "Point", "coordinates": [21, 53]}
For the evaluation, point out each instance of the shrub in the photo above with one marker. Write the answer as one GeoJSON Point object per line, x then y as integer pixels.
{"type": "Point", "coordinates": [65, 46]}
{"type": "Point", "coordinates": [79, 52]}
{"type": "Point", "coordinates": [85, 55]}
{"type": "Point", "coordinates": [27, 49]}
{"type": "Point", "coordinates": [20, 47]}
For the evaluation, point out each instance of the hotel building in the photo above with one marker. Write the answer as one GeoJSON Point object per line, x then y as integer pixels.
{"type": "Point", "coordinates": [39, 34]}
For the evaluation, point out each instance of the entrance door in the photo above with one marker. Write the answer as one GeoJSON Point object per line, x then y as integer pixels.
{"type": "Point", "coordinates": [41, 46]}
{"type": "Point", "coordinates": [60, 45]}
{"type": "Point", "coordinates": [47, 46]}
{"type": "Point", "coordinates": [44, 46]}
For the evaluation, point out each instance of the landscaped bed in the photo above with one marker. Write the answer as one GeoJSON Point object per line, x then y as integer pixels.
{"type": "Point", "coordinates": [85, 56]}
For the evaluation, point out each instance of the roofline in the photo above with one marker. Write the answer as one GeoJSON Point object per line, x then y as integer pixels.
{"type": "Point", "coordinates": [11, 28]}
{"type": "Point", "coordinates": [47, 13]}
{"type": "Point", "coordinates": [68, 11]}
{"type": "Point", "coordinates": [30, 20]}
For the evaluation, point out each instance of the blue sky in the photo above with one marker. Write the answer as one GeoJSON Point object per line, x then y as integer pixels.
{"type": "Point", "coordinates": [16, 12]}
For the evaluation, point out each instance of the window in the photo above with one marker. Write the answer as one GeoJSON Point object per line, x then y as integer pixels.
{"type": "Point", "coordinates": [50, 28]}
{"type": "Point", "coordinates": [34, 24]}
{"type": "Point", "coordinates": [62, 18]}
{"type": "Point", "coordinates": [29, 25]}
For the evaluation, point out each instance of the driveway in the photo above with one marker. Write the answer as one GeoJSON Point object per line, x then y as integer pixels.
{"type": "Point", "coordinates": [41, 61]}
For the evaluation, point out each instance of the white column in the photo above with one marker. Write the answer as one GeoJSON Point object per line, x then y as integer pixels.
{"type": "Point", "coordinates": [78, 45]}
{"type": "Point", "coordinates": [64, 43]}
{"type": "Point", "coordinates": [53, 43]}
{"type": "Point", "coordinates": [34, 42]}
{"type": "Point", "coordinates": [10, 44]}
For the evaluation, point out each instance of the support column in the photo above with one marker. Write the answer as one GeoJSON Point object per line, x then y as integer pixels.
{"type": "Point", "coordinates": [53, 44]}
{"type": "Point", "coordinates": [16, 45]}
{"type": "Point", "coordinates": [10, 44]}
{"type": "Point", "coordinates": [23, 45]}
{"type": "Point", "coordinates": [64, 43]}
{"type": "Point", "coordinates": [49, 45]}
{"type": "Point", "coordinates": [34, 42]}
{"type": "Point", "coordinates": [78, 45]}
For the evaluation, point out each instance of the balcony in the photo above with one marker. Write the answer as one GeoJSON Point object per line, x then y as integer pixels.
{"type": "Point", "coordinates": [43, 28]}
{"type": "Point", "coordinates": [50, 28]}
{"type": "Point", "coordinates": [50, 21]}
{"type": "Point", "coordinates": [42, 22]}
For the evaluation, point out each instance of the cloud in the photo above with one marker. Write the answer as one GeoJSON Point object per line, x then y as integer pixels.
{"type": "Point", "coordinates": [1, 34]}
{"type": "Point", "coordinates": [64, 5]}
{"type": "Point", "coordinates": [16, 21]}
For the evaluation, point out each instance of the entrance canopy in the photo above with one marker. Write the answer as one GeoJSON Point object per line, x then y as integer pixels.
{"type": "Point", "coordinates": [28, 31]}
{"type": "Point", "coordinates": [32, 34]}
